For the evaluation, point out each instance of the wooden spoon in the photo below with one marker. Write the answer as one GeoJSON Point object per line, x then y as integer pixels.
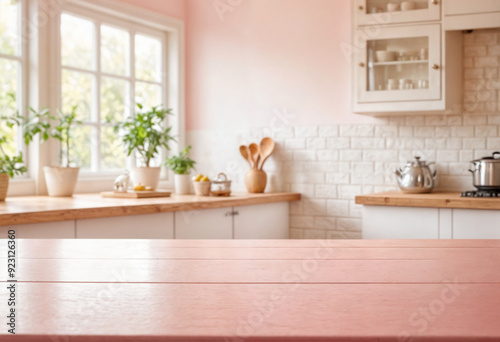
{"type": "Point", "coordinates": [266, 149]}
{"type": "Point", "coordinates": [255, 154]}
{"type": "Point", "coordinates": [245, 152]}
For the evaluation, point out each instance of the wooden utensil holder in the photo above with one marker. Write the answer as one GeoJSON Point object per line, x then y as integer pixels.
{"type": "Point", "coordinates": [255, 181]}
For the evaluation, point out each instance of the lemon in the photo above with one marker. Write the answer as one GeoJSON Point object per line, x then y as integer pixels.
{"type": "Point", "coordinates": [198, 178]}
{"type": "Point", "coordinates": [139, 187]}
{"type": "Point", "coordinates": [205, 179]}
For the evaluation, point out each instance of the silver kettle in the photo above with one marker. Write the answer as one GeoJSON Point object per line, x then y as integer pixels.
{"type": "Point", "coordinates": [417, 177]}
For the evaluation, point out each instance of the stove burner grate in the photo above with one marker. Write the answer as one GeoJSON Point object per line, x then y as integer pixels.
{"type": "Point", "coordinates": [481, 193]}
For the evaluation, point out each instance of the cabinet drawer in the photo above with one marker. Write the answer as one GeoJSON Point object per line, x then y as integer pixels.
{"type": "Point", "coordinates": [204, 224]}
{"type": "Point", "coordinates": [152, 226]}
{"type": "Point", "coordinates": [400, 223]}
{"type": "Point", "coordinates": [476, 224]}
{"type": "Point", "coordinates": [48, 230]}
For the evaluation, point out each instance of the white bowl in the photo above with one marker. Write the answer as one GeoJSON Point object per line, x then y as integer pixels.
{"type": "Point", "coordinates": [392, 7]}
{"type": "Point", "coordinates": [386, 56]}
{"type": "Point", "coordinates": [408, 6]}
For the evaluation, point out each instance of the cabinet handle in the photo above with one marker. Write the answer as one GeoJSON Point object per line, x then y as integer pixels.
{"type": "Point", "coordinates": [434, 2]}
{"type": "Point", "coordinates": [361, 8]}
{"type": "Point", "coordinates": [362, 65]}
{"type": "Point", "coordinates": [435, 66]}
{"type": "Point", "coordinates": [236, 213]}
{"type": "Point", "coordinates": [229, 213]}
{"type": "Point", "coordinates": [232, 213]}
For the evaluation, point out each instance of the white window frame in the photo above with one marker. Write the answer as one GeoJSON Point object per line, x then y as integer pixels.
{"type": "Point", "coordinates": [22, 184]}
{"type": "Point", "coordinates": [44, 54]}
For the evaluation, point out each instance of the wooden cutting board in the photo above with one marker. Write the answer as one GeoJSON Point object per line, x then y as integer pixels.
{"type": "Point", "coordinates": [135, 194]}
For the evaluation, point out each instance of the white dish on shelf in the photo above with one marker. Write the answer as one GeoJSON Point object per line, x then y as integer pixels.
{"type": "Point", "coordinates": [408, 6]}
{"type": "Point", "coordinates": [386, 56]}
{"type": "Point", "coordinates": [393, 7]}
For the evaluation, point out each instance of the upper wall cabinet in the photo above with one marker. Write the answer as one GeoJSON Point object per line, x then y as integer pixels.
{"type": "Point", "coordinates": [373, 12]}
{"type": "Point", "coordinates": [469, 15]}
{"type": "Point", "coordinates": [403, 61]}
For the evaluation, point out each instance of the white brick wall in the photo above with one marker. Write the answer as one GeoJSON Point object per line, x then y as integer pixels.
{"type": "Point", "coordinates": [331, 164]}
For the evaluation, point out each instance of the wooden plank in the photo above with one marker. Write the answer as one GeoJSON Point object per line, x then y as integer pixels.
{"type": "Point", "coordinates": [36, 209]}
{"type": "Point", "coordinates": [141, 249]}
{"type": "Point", "coordinates": [274, 312]}
{"type": "Point", "coordinates": [451, 200]}
{"type": "Point", "coordinates": [308, 270]}
{"type": "Point", "coordinates": [135, 194]}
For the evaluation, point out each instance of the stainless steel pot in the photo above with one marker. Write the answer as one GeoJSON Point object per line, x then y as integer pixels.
{"type": "Point", "coordinates": [486, 172]}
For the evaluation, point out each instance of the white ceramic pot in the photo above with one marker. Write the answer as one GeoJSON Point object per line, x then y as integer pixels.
{"type": "Point", "coordinates": [61, 181]}
{"type": "Point", "coordinates": [147, 176]}
{"type": "Point", "coordinates": [182, 184]}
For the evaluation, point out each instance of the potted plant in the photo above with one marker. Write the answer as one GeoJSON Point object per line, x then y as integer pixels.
{"type": "Point", "coordinates": [61, 180]}
{"type": "Point", "coordinates": [181, 165]}
{"type": "Point", "coordinates": [9, 165]}
{"type": "Point", "coordinates": [145, 134]}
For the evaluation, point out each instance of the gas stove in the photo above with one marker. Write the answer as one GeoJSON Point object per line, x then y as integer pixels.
{"type": "Point", "coordinates": [481, 193]}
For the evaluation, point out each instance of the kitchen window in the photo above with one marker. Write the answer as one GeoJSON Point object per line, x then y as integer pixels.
{"type": "Point", "coordinates": [13, 70]}
{"type": "Point", "coordinates": [102, 56]}
{"type": "Point", "coordinates": [107, 66]}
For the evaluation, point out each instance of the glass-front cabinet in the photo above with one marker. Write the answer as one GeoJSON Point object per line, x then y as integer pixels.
{"type": "Point", "coordinates": [398, 64]}
{"type": "Point", "coordinates": [372, 12]}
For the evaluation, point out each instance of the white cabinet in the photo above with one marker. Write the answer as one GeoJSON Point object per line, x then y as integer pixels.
{"type": "Point", "coordinates": [386, 222]}
{"type": "Point", "coordinates": [476, 224]}
{"type": "Point", "coordinates": [204, 224]}
{"type": "Point", "coordinates": [152, 226]}
{"type": "Point", "coordinates": [400, 223]}
{"type": "Point", "coordinates": [469, 15]}
{"type": "Point", "coordinates": [372, 12]}
{"type": "Point", "coordinates": [46, 230]}
{"type": "Point", "coordinates": [458, 7]}
{"type": "Point", "coordinates": [403, 61]}
{"type": "Point", "coordinates": [262, 221]}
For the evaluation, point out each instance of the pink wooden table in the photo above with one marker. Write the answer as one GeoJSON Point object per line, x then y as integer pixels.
{"type": "Point", "coordinates": [242, 290]}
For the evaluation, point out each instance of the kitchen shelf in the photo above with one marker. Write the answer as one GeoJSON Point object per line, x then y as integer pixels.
{"type": "Point", "coordinates": [400, 62]}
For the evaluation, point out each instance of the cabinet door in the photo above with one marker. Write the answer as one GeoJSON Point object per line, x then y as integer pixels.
{"type": "Point", "coordinates": [49, 230]}
{"type": "Point", "coordinates": [457, 7]}
{"type": "Point", "coordinates": [397, 64]}
{"type": "Point", "coordinates": [376, 12]}
{"type": "Point", "coordinates": [262, 221]}
{"type": "Point", "coordinates": [204, 224]}
{"type": "Point", "coordinates": [151, 226]}
{"type": "Point", "coordinates": [400, 223]}
{"type": "Point", "coordinates": [476, 224]}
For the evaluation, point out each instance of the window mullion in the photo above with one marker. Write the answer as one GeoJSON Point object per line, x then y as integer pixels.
{"type": "Point", "coordinates": [131, 161]}
{"type": "Point", "coordinates": [96, 155]}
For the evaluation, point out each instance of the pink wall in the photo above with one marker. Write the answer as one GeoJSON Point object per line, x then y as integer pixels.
{"type": "Point", "coordinates": [260, 56]}
{"type": "Point", "coordinates": [173, 8]}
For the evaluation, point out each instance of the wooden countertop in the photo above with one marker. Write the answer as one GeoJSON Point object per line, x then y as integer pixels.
{"type": "Point", "coordinates": [450, 200]}
{"type": "Point", "coordinates": [37, 209]}
{"type": "Point", "coordinates": [255, 290]}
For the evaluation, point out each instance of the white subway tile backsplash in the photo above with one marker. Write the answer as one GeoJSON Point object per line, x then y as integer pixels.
{"type": "Point", "coordinates": [348, 191]}
{"type": "Point", "coordinates": [351, 155]}
{"type": "Point", "coordinates": [315, 143]}
{"type": "Point", "coordinates": [453, 143]}
{"type": "Point", "coordinates": [295, 144]}
{"type": "Point", "coordinates": [470, 120]}
{"type": "Point", "coordinates": [380, 155]}
{"type": "Point", "coordinates": [314, 207]}
{"type": "Point", "coordinates": [337, 208]}
{"type": "Point", "coordinates": [486, 131]}
{"type": "Point", "coordinates": [493, 143]}
{"type": "Point", "coordinates": [326, 191]}
{"type": "Point", "coordinates": [328, 155]}
{"type": "Point", "coordinates": [465, 132]}
{"type": "Point", "coordinates": [301, 221]}
{"type": "Point", "coordinates": [357, 130]}
{"type": "Point", "coordinates": [447, 156]}
{"type": "Point", "coordinates": [474, 143]}
{"type": "Point", "coordinates": [304, 155]}
{"type": "Point", "coordinates": [337, 178]}
{"type": "Point", "coordinates": [329, 131]}
{"type": "Point", "coordinates": [367, 143]}
{"type": "Point", "coordinates": [349, 224]}
{"type": "Point", "coordinates": [306, 131]}
{"type": "Point", "coordinates": [338, 143]}
{"type": "Point", "coordinates": [325, 223]}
